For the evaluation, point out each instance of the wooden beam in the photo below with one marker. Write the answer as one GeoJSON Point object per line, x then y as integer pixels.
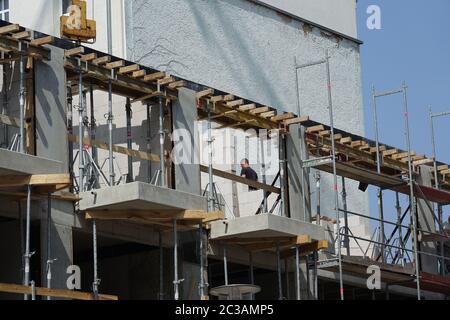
{"type": "Point", "coordinates": [442, 167]}
{"type": "Point", "coordinates": [282, 117]}
{"type": "Point", "coordinates": [89, 57]}
{"type": "Point", "coordinates": [115, 64]}
{"type": "Point", "coordinates": [55, 293]}
{"type": "Point", "coordinates": [239, 179]}
{"type": "Point", "coordinates": [204, 93]}
{"type": "Point", "coordinates": [22, 35]}
{"type": "Point", "coordinates": [35, 180]}
{"type": "Point", "coordinates": [422, 162]}
{"type": "Point", "coordinates": [402, 155]}
{"type": "Point", "coordinates": [259, 110]}
{"type": "Point", "coordinates": [154, 76]}
{"type": "Point", "coordinates": [345, 140]}
{"type": "Point", "coordinates": [42, 41]}
{"type": "Point", "coordinates": [139, 74]}
{"type": "Point", "coordinates": [315, 129]}
{"type": "Point", "coordinates": [148, 96]}
{"type": "Point", "coordinates": [247, 107]}
{"type": "Point", "coordinates": [9, 29]}
{"type": "Point", "coordinates": [101, 60]}
{"type": "Point", "coordinates": [129, 152]}
{"type": "Point", "coordinates": [11, 44]}
{"type": "Point", "coordinates": [380, 148]}
{"type": "Point", "coordinates": [128, 69]}
{"type": "Point", "coordinates": [306, 249]}
{"type": "Point", "coordinates": [165, 81]}
{"type": "Point", "coordinates": [74, 51]}
{"type": "Point", "coordinates": [197, 215]}
{"type": "Point", "coordinates": [268, 114]}
{"type": "Point", "coordinates": [235, 103]}
{"type": "Point", "coordinates": [296, 120]}
{"type": "Point", "coordinates": [177, 84]}
{"type": "Point", "coordinates": [389, 152]}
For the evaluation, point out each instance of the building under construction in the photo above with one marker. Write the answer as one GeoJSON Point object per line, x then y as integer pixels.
{"type": "Point", "coordinates": [120, 179]}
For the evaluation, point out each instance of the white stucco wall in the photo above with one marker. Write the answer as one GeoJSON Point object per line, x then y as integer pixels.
{"type": "Point", "coordinates": [338, 15]}
{"type": "Point", "coordinates": [248, 50]}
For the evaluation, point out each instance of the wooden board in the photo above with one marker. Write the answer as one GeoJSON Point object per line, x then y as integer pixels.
{"type": "Point", "coordinates": [35, 180]}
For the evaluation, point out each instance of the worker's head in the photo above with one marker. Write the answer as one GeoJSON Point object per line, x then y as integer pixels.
{"type": "Point", "coordinates": [244, 163]}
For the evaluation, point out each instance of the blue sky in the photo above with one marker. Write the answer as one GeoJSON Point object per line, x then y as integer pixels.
{"type": "Point", "coordinates": [413, 45]}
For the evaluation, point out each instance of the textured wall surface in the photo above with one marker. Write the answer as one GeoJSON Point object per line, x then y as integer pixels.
{"type": "Point", "coordinates": [248, 50]}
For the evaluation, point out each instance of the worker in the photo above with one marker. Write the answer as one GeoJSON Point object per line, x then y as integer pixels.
{"type": "Point", "coordinates": [447, 226]}
{"type": "Point", "coordinates": [248, 173]}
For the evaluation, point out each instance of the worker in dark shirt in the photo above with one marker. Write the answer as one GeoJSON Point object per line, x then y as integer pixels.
{"type": "Point", "coordinates": [248, 173]}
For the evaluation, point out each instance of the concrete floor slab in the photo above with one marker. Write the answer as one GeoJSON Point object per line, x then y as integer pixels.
{"type": "Point", "coordinates": [140, 196]}
{"type": "Point", "coordinates": [264, 225]}
{"type": "Point", "coordinates": [12, 162]}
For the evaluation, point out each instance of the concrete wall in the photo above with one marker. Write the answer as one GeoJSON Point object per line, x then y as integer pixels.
{"type": "Point", "coordinates": [235, 46]}
{"type": "Point", "coordinates": [337, 15]}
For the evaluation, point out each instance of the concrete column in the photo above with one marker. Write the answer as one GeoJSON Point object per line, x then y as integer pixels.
{"type": "Point", "coordinates": [426, 222]}
{"type": "Point", "coordinates": [295, 152]}
{"type": "Point", "coordinates": [184, 112]}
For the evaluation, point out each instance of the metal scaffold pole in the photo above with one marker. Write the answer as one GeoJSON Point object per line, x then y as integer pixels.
{"type": "Point", "coordinates": [280, 285]}
{"type": "Point", "coordinates": [49, 243]}
{"type": "Point", "coordinates": [110, 133]}
{"type": "Point", "coordinates": [399, 223]}
{"type": "Point", "coordinates": [379, 159]}
{"type": "Point", "coordinates": [335, 185]}
{"type": "Point", "coordinates": [129, 115]}
{"type": "Point", "coordinates": [161, 139]}
{"type": "Point", "coordinates": [148, 138]}
{"type": "Point", "coordinates": [225, 263]}
{"type": "Point", "coordinates": [436, 184]}
{"type": "Point", "coordinates": [28, 254]}
{"type": "Point", "coordinates": [282, 166]}
{"type": "Point", "coordinates": [411, 189]}
{"type": "Point", "coordinates": [252, 274]}
{"type": "Point", "coordinates": [96, 281]}
{"type": "Point", "coordinates": [22, 101]}
{"type": "Point", "coordinates": [202, 264]}
{"type": "Point", "coordinates": [80, 130]}
{"type": "Point", "coordinates": [344, 203]}
{"type": "Point", "coordinates": [176, 281]}
{"type": "Point", "coordinates": [297, 273]}
{"type": "Point", "coordinates": [210, 160]}
{"type": "Point", "coordinates": [93, 125]}
{"type": "Point", "coordinates": [69, 124]}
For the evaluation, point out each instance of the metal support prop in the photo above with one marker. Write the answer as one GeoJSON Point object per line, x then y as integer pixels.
{"type": "Point", "coordinates": [282, 161]}
{"type": "Point", "coordinates": [413, 210]}
{"type": "Point", "coordinates": [335, 185]}
{"type": "Point", "coordinates": [225, 263]}
{"type": "Point", "coordinates": [22, 102]}
{"type": "Point", "coordinates": [129, 139]}
{"type": "Point", "coordinates": [344, 203]}
{"type": "Point", "coordinates": [93, 126]}
{"type": "Point", "coordinates": [80, 130]}
{"type": "Point", "coordinates": [318, 213]}
{"type": "Point", "coordinates": [161, 267]}
{"type": "Point", "coordinates": [28, 254]}
{"type": "Point", "coordinates": [399, 223]}
{"type": "Point", "coordinates": [110, 133]}
{"type": "Point", "coordinates": [436, 184]}
{"type": "Point", "coordinates": [49, 238]}
{"type": "Point", "coordinates": [202, 266]}
{"type": "Point", "coordinates": [33, 290]}
{"type": "Point", "coordinates": [96, 281]}
{"type": "Point", "coordinates": [210, 160]}
{"type": "Point", "coordinates": [176, 281]}
{"type": "Point", "coordinates": [379, 160]}
{"type": "Point", "coordinates": [161, 139]}
{"type": "Point", "coordinates": [263, 169]}
{"type": "Point", "coordinates": [280, 285]}
{"type": "Point", "coordinates": [149, 163]}
{"type": "Point", "coordinates": [297, 273]}
{"type": "Point", "coordinates": [69, 124]}
{"type": "Point", "coordinates": [109, 25]}
{"type": "Point", "coordinates": [252, 275]}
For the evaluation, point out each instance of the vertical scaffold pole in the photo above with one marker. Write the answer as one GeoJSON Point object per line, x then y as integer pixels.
{"type": "Point", "coordinates": [93, 126]}
{"type": "Point", "coordinates": [344, 203]}
{"type": "Point", "coordinates": [96, 281]}
{"type": "Point", "coordinates": [110, 132]}
{"type": "Point", "coordinates": [210, 160]}
{"type": "Point", "coordinates": [149, 163]}
{"type": "Point", "coordinates": [49, 243]}
{"type": "Point", "coordinates": [129, 139]}
{"type": "Point", "coordinates": [411, 189]}
{"type": "Point", "coordinates": [335, 185]}
{"type": "Point", "coordinates": [282, 161]}
{"type": "Point", "coordinates": [176, 281]}
{"type": "Point", "coordinates": [27, 257]}
{"type": "Point", "coordinates": [379, 159]}
{"type": "Point", "coordinates": [69, 124]}
{"type": "Point", "coordinates": [297, 273]}
{"type": "Point", "coordinates": [280, 285]}
{"type": "Point", "coordinates": [80, 130]}
{"type": "Point", "coordinates": [161, 139]}
{"type": "Point", "coordinates": [399, 226]}
{"type": "Point", "coordinates": [22, 102]}
{"type": "Point", "coordinates": [202, 265]}
{"type": "Point", "coordinates": [225, 263]}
